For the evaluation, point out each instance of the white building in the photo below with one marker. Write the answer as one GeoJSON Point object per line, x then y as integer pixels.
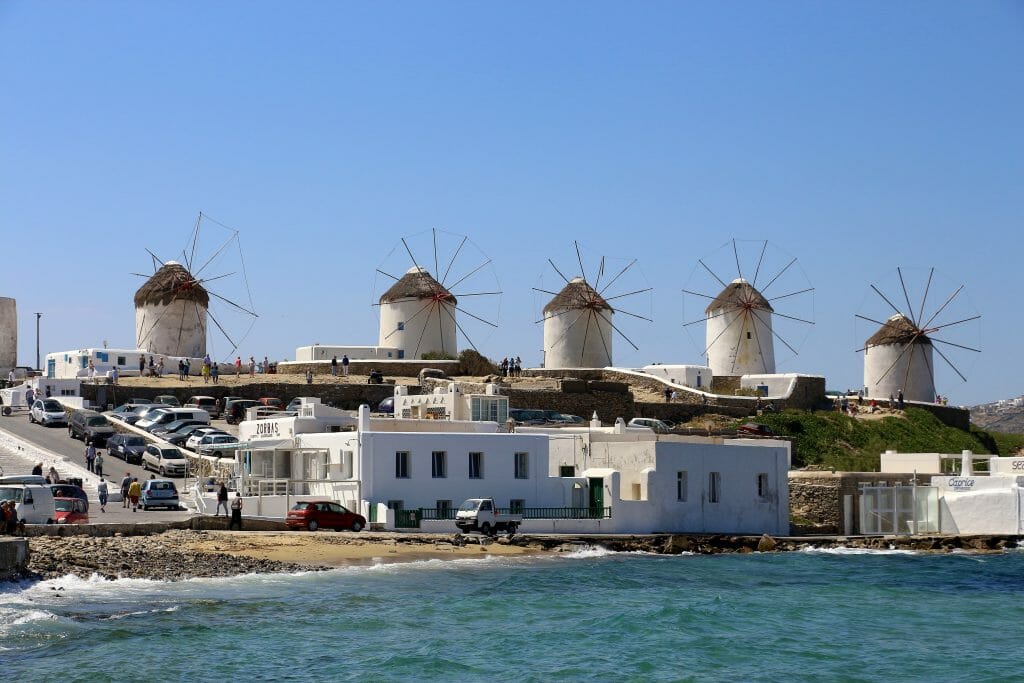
{"type": "Point", "coordinates": [692, 376]}
{"type": "Point", "coordinates": [93, 362]}
{"type": "Point", "coordinates": [170, 313]}
{"type": "Point", "coordinates": [739, 332]}
{"type": "Point", "coordinates": [578, 328]}
{"type": "Point", "coordinates": [417, 316]}
{"type": "Point", "coordinates": [898, 357]}
{"type": "Point", "coordinates": [318, 352]}
{"type": "Point", "coordinates": [574, 480]}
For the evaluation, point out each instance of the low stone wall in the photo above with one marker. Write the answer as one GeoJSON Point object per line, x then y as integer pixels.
{"type": "Point", "coordinates": [195, 523]}
{"type": "Point", "coordinates": [13, 557]}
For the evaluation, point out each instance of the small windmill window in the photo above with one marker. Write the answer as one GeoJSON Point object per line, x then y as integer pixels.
{"type": "Point", "coordinates": [401, 326]}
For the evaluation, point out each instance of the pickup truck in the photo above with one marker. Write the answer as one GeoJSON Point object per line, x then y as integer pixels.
{"type": "Point", "coordinates": [481, 514]}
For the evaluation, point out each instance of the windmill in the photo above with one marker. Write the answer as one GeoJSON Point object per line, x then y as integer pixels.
{"type": "Point", "coordinates": [174, 304]}
{"type": "Point", "coordinates": [743, 318]}
{"type": "Point", "coordinates": [579, 321]}
{"type": "Point", "coordinates": [425, 312]}
{"type": "Point", "coordinates": [899, 356]}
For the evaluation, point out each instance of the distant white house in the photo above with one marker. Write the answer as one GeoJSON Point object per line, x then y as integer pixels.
{"type": "Point", "coordinates": [402, 472]}
{"type": "Point", "coordinates": [693, 376]}
{"type": "Point", "coordinates": [317, 352]}
{"type": "Point", "coordinates": [76, 363]}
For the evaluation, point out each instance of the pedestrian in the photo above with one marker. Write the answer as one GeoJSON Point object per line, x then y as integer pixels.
{"type": "Point", "coordinates": [38, 469]}
{"type": "Point", "coordinates": [181, 370]}
{"type": "Point", "coordinates": [205, 372]}
{"type": "Point", "coordinates": [126, 482]}
{"type": "Point", "coordinates": [160, 367]}
{"type": "Point", "coordinates": [10, 378]}
{"type": "Point", "coordinates": [519, 367]}
{"type": "Point", "coordinates": [152, 367]}
{"type": "Point", "coordinates": [860, 397]}
{"type": "Point", "coordinates": [114, 375]}
{"type": "Point", "coordinates": [344, 364]}
{"type": "Point", "coordinates": [8, 517]}
{"type": "Point", "coordinates": [48, 394]}
{"type": "Point", "coordinates": [214, 373]}
{"type": "Point", "coordinates": [222, 499]}
{"type": "Point", "coordinates": [266, 366]}
{"type": "Point", "coordinates": [334, 365]}
{"type": "Point", "coordinates": [668, 394]}
{"type": "Point", "coordinates": [90, 457]}
{"type": "Point", "coordinates": [142, 366]}
{"type": "Point", "coordinates": [134, 491]}
{"type": "Point", "coordinates": [101, 491]}
{"type": "Point", "coordinates": [252, 366]}
{"type": "Point", "coordinates": [309, 376]}
{"type": "Point", "coordinates": [52, 476]}
{"type": "Point", "coordinates": [236, 511]}
{"type": "Point", "coordinates": [238, 367]}
{"type": "Point", "coordinates": [899, 399]}
{"type": "Point", "coordinates": [187, 368]}
{"type": "Point", "coordinates": [99, 463]}
{"type": "Point", "coordinates": [674, 396]}
{"type": "Point", "coordinates": [29, 396]}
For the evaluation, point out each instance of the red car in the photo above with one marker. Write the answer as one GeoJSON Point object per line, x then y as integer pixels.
{"type": "Point", "coordinates": [71, 511]}
{"type": "Point", "coordinates": [313, 514]}
{"type": "Point", "coordinates": [755, 429]}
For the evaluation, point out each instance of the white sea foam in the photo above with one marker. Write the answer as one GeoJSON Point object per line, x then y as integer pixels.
{"type": "Point", "coordinates": [842, 550]}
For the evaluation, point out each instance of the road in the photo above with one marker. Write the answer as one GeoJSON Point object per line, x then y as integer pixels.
{"type": "Point", "coordinates": [57, 441]}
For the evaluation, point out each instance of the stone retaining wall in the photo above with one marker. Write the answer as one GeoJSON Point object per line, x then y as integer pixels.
{"type": "Point", "coordinates": [346, 396]}
{"type": "Point", "coordinates": [816, 498]}
{"type": "Point", "coordinates": [395, 368]}
{"type": "Point", "coordinates": [13, 557]}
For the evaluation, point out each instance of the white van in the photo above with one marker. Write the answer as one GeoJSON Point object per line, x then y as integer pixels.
{"type": "Point", "coordinates": [168, 415]}
{"type": "Point", "coordinates": [34, 503]}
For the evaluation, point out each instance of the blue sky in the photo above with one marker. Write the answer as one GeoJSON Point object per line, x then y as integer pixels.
{"type": "Point", "coordinates": [856, 137]}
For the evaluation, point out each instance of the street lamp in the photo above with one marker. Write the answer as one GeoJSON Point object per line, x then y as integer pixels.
{"type": "Point", "coordinates": [38, 316]}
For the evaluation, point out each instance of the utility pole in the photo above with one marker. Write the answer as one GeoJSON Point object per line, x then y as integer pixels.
{"type": "Point", "coordinates": [38, 316]}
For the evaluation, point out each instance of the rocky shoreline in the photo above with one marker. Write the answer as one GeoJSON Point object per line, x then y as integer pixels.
{"type": "Point", "coordinates": [181, 554]}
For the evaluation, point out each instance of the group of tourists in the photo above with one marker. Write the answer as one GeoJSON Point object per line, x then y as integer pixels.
{"type": "Point", "coordinates": [93, 460]}
{"type": "Point", "coordinates": [235, 505]}
{"type": "Point", "coordinates": [9, 518]}
{"type": "Point", "coordinates": [344, 365]}
{"type": "Point", "coordinates": [511, 367]}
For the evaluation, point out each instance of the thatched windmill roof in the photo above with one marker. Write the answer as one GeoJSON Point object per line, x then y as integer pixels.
{"type": "Point", "coordinates": [172, 282]}
{"type": "Point", "coordinates": [739, 294]}
{"type": "Point", "coordinates": [897, 330]}
{"type": "Point", "coordinates": [417, 283]}
{"type": "Point", "coordinates": [577, 294]}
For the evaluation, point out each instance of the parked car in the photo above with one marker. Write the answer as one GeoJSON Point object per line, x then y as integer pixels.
{"type": "Point", "coordinates": [236, 410]}
{"type": "Point", "coordinates": [755, 429]}
{"type": "Point", "coordinates": [387, 406]}
{"type": "Point", "coordinates": [70, 511]}
{"type": "Point", "coordinates": [172, 427]}
{"type": "Point", "coordinates": [147, 412]}
{"type": "Point", "coordinates": [314, 514]}
{"type": "Point", "coordinates": [181, 435]}
{"type": "Point", "coordinates": [193, 440]}
{"type": "Point", "coordinates": [168, 400]}
{"type": "Point", "coordinates": [525, 416]}
{"type": "Point", "coordinates": [651, 423]}
{"type": "Point", "coordinates": [223, 402]}
{"type": "Point", "coordinates": [48, 412]}
{"type": "Point", "coordinates": [139, 401]}
{"type": "Point", "coordinates": [169, 415]}
{"type": "Point", "coordinates": [128, 447]}
{"type": "Point", "coordinates": [166, 460]}
{"type": "Point", "coordinates": [70, 491]}
{"type": "Point", "coordinates": [207, 403]}
{"type": "Point", "coordinates": [274, 404]}
{"type": "Point", "coordinates": [217, 445]}
{"type": "Point", "coordinates": [90, 426]}
{"type": "Point", "coordinates": [159, 493]}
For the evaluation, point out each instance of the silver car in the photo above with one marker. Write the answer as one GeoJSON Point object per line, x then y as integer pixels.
{"type": "Point", "coordinates": [48, 412]}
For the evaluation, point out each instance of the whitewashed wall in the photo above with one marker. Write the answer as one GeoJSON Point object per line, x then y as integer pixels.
{"type": "Point", "coordinates": [308, 354]}
{"type": "Point", "coordinates": [886, 372]}
{"type": "Point", "coordinates": [693, 376]}
{"type": "Point", "coordinates": [740, 347]}
{"type": "Point", "coordinates": [177, 329]}
{"type": "Point", "coordinates": [570, 342]}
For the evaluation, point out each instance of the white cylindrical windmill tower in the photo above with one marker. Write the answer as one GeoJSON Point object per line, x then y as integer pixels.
{"type": "Point", "coordinates": [899, 357]}
{"type": "Point", "coordinates": [8, 334]}
{"type": "Point", "coordinates": [170, 313]}
{"type": "Point", "coordinates": [739, 332]}
{"type": "Point", "coordinates": [578, 328]}
{"type": "Point", "coordinates": [417, 316]}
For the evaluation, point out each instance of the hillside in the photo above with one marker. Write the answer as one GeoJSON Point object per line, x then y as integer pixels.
{"type": "Point", "coordinates": [1004, 416]}
{"type": "Point", "coordinates": [836, 441]}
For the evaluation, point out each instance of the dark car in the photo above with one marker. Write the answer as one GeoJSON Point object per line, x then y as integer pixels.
{"type": "Point", "coordinates": [90, 426]}
{"type": "Point", "coordinates": [128, 447]}
{"type": "Point", "coordinates": [145, 412]}
{"type": "Point", "coordinates": [754, 429]}
{"type": "Point", "coordinates": [236, 410]}
{"type": "Point", "coordinates": [313, 514]}
{"type": "Point", "coordinates": [179, 437]}
{"type": "Point", "coordinates": [526, 416]}
{"type": "Point", "coordinates": [172, 427]}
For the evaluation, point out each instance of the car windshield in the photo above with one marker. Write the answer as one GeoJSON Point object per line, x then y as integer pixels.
{"type": "Point", "coordinates": [300, 506]}
{"type": "Point", "coordinates": [52, 406]}
{"type": "Point", "coordinates": [63, 504]}
{"type": "Point", "coordinates": [469, 505]}
{"type": "Point", "coordinates": [134, 441]}
{"type": "Point", "coordinates": [97, 421]}
{"type": "Point", "coordinates": [161, 486]}
{"type": "Point", "coordinates": [172, 454]}
{"type": "Point", "coordinates": [12, 493]}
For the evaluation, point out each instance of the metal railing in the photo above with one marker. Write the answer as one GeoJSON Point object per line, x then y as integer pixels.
{"type": "Point", "coordinates": [410, 519]}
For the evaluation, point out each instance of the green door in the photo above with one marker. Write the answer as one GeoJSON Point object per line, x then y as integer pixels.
{"type": "Point", "coordinates": [596, 497]}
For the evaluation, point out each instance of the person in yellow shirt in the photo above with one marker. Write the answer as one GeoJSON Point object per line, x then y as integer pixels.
{"type": "Point", "coordinates": [134, 491]}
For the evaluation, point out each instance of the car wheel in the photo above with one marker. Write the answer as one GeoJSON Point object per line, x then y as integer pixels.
{"type": "Point", "coordinates": [162, 472]}
{"type": "Point", "coordinates": [512, 528]}
{"type": "Point", "coordinates": [357, 526]}
{"type": "Point", "coordinates": [485, 529]}
{"type": "Point", "coordinates": [312, 526]}
{"type": "Point", "coordinates": [145, 508]}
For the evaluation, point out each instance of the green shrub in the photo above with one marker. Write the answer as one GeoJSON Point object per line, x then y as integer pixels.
{"type": "Point", "coordinates": [474, 364]}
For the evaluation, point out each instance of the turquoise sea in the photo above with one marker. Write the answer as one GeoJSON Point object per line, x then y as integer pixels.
{"type": "Point", "coordinates": [588, 616]}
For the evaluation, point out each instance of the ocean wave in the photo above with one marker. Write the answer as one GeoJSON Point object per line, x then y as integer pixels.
{"type": "Point", "coordinates": [843, 550]}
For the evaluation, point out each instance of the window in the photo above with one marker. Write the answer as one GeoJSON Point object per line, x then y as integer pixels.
{"type": "Point", "coordinates": [762, 485]}
{"type": "Point", "coordinates": [748, 335]}
{"type": "Point", "coordinates": [402, 465]}
{"type": "Point", "coordinates": [489, 408]}
{"type": "Point", "coordinates": [567, 470]}
{"type": "Point", "coordinates": [682, 484]}
{"type": "Point", "coordinates": [396, 505]}
{"type": "Point", "coordinates": [476, 465]}
{"type": "Point", "coordinates": [516, 506]}
{"type": "Point", "coordinates": [714, 487]}
{"type": "Point", "coordinates": [444, 509]}
{"type": "Point", "coordinates": [522, 465]}
{"type": "Point", "coordinates": [401, 326]}
{"type": "Point", "coordinates": [439, 464]}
